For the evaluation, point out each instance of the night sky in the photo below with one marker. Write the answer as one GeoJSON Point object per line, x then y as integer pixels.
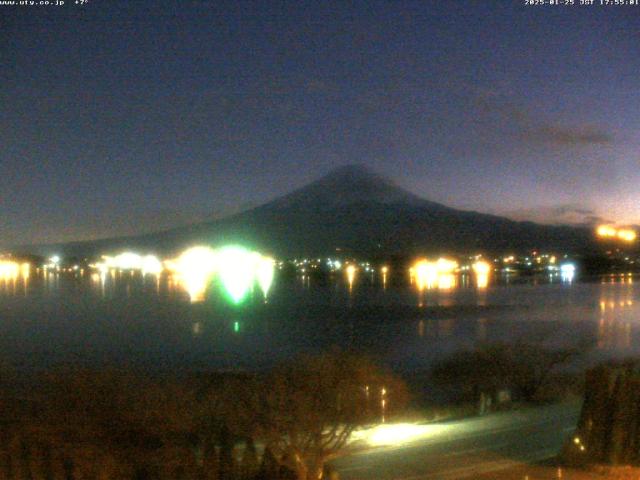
{"type": "Point", "coordinates": [127, 117]}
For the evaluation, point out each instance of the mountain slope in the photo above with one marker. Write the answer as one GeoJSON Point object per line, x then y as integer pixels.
{"type": "Point", "coordinates": [359, 212]}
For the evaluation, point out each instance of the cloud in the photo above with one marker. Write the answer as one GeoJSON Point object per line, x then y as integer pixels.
{"type": "Point", "coordinates": [567, 214]}
{"type": "Point", "coordinates": [560, 135]}
{"type": "Point", "coordinates": [534, 128]}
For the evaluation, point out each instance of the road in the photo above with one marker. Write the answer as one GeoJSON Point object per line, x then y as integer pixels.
{"type": "Point", "coordinates": [460, 449]}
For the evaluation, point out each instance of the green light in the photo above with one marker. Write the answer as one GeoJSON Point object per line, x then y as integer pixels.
{"type": "Point", "coordinates": [236, 327]}
{"type": "Point", "coordinates": [236, 267]}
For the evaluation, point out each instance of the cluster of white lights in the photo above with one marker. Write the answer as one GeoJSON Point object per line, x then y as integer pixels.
{"type": "Point", "coordinates": [334, 264]}
{"type": "Point", "coordinates": [439, 274]}
{"type": "Point", "coordinates": [237, 269]}
{"type": "Point", "coordinates": [194, 269]}
{"type": "Point", "coordinates": [482, 271]}
{"type": "Point", "coordinates": [130, 261]}
{"type": "Point", "coordinates": [10, 270]}
{"type": "Point", "coordinates": [567, 272]}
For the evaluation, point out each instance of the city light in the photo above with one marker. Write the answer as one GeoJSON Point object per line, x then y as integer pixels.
{"type": "Point", "coordinates": [265, 271]}
{"type": "Point", "coordinates": [567, 272]}
{"type": "Point", "coordinates": [194, 268]}
{"type": "Point", "coordinates": [124, 261]}
{"type": "Point", "coordinates": [383, 402]}
{"type": "Point", "coordinates": [8, 269]}
{"type": "Point", "coordinates": [439, 274]}
{"type": "Point", "coordinates": [624, 234]}
{"type": "Point", "coordinates": [606, 231]}
{"type": "Point", "coordinates": [11, 270]}
{"type": "Point", "coordinates": [446, 281]}
{"type": "Point", "coordinates": [445, 265]}
{"type": "Point", "coordinates": [482, 270]}
{"type": "Point", "coordinates": [351, 274]}
{"type": "Point", "coordinates": [129, 261]}
{"type": "Point", "coordinates": [237, 271]}
{"type": "Point", "coordinates": [627, 235]}
{"type": "Point", "coordinates": [426, 274]}
{"type": "Point", "coordinates": [151, 264]}
{"type": "Point", "coordinates": [397, 433]}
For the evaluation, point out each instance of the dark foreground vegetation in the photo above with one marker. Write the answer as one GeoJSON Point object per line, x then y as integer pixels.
{"type": "Point", "coordinates": [284, 424]}
{"type": "Point", "coordinates": [608, 431]}
{"type": "Point", "coordinates": [500, 374]}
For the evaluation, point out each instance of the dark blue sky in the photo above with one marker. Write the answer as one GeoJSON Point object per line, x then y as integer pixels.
{"type": "Point", "coordinates": [123, 117]}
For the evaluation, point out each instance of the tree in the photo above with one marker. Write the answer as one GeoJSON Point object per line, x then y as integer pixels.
{"type": "Point", "coordinates": [608, 430]}
{"type": "Point", "coordinates": [226, 462]}
{"type": "Point", "coordinates": [309, 407]}
{"type": "Point", "coordinates": [269, 467]}
{"type": "Point", "coordinates": [224, 417]}
{"type": "Point", "coordinates": [525, 368]}
{"type": "Point", "coordinates": [249, 460]}
{"type": "Point", "coordinates": [112, 424]}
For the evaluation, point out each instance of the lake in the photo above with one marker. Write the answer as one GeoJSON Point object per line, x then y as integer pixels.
{"type": "Point", "coordinates": [127, 319]}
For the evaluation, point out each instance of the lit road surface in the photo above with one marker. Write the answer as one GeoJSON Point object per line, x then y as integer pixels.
{"type": "Point", "coordinates": [465, 448]}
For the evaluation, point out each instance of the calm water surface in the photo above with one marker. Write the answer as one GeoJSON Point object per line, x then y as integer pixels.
{"type": "Point", "coordinates": [126, 319]}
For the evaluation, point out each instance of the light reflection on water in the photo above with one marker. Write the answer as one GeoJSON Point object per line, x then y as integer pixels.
{"type": "Point", "coordinates": [617, 315]}
{"type": "Point", "coordinates": [120, 316]}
